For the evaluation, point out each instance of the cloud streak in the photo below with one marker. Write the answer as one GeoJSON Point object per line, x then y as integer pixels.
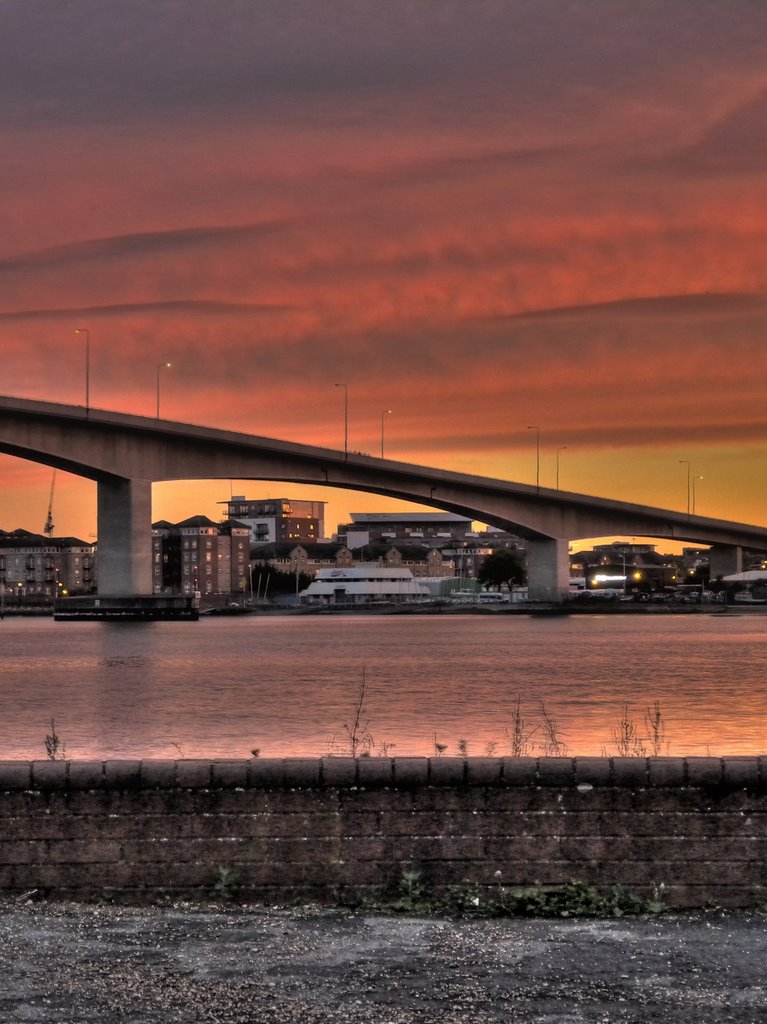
{"type": "Point", "coordinates": [481, 215]}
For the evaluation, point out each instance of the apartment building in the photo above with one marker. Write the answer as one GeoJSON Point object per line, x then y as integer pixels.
{"type": "Point", "coordinates": [198, 556]}
{"type": "Point", "coordinates": [432, 529]}
{"type": "Point", "coordinates": [279, 520]}
{"type": "Point", "coordinates": [312, 558]}
{"type": "Point", "coordinates": [36, 568]}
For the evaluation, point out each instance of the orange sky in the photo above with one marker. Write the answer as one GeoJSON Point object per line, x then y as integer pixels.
{"type": "Point", "coordinates": [480, 215]}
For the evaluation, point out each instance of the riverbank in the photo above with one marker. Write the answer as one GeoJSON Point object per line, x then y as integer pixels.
{"type": "Point", "coordinates": [447, 608]}
{"type": "Point", "coordinates": [75, 964]}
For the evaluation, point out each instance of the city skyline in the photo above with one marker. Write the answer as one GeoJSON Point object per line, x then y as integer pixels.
{"type": "Point", "coordinates": [479, 216]}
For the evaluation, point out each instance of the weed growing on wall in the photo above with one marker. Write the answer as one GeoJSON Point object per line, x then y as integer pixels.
{"type": "Point", "coordinates": [553, 745]}
{"type": "Point", "coordinates": [574, 899]}
{"type": "Point", "coordinates": [626, 737]}
{"type": "Point", "coordinates": [412, 897]}
{"type": "Point", "coordinates": [656, 730]}
{"type": "Point", "coordinates": [358, 739]}
{"type": "Point", "coordinates": [227, 883]}
{"type": "Point", "coordinates": [439, 748]}
{"type": "Point", "coordinates": [537, 736]}
{"type": "Point", "coordinates": [521, 732]}
{"type": "Point", "coordinates": [55, 747]}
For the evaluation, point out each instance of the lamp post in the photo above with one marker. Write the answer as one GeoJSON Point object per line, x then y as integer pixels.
{"type": "Point", "coordinates": [561, 448]}
{"type": "Point", "coordinates": [537, 457]}
{"type": "Point", "coordinates": [346, 417]}
{"type": "Point", "coordinates": [693, 492]}
{"type": "Point", "coordinates": [160, 366]}
{"type": "Point", "coordinates": [686, 462]}
{"type": "Point", "coordinates": [385, 412]}
{"type": "Point", "coordinates": [87, 333]}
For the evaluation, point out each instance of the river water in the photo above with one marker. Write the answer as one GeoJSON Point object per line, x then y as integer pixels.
{"type": "Point", "coordinates": [287, 684]}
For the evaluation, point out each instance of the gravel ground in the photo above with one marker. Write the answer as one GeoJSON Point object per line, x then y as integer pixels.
{"type": "Point", "coordinates": [74, 964]}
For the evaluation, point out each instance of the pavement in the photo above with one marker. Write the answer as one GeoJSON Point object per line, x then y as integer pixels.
{"type": "Point", "coordinates": [72, 964]}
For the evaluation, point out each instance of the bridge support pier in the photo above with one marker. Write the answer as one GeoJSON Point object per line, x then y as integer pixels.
{"type": "Point", "coordinates": [724, 560]}
{"type": "Point", "coordinates": [125, 537]}
{"type": "Point", "coordinates": [548, 569]}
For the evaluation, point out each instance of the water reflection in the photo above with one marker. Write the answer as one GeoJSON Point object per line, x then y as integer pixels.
{"type": "Point", "coordinates": [287, 685]}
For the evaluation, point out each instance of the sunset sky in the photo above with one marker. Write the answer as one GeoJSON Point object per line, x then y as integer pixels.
{"type": "Point", "coordinates": [480, 215]}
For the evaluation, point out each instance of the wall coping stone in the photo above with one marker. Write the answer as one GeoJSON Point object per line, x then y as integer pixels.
{"type": "Point", "coordinates": [725, 773]}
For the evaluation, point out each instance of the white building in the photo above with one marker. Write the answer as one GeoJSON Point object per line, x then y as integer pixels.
{"type": "Point", "coordinates": [365, 583]}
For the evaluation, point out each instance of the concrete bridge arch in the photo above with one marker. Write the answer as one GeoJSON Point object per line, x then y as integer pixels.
{"type": "Point", "coordinates": [126, 454]}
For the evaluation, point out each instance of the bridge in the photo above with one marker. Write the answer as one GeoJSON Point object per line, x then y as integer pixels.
{"type": "Point", "coordinates": [125, 454]}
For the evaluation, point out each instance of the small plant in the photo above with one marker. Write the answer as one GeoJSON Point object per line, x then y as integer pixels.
{"type": "Point", "coordinates": [520, 733]}
{"type": "Point", "coordinates": [553, 745]}
{"type": "Point", "coordinates": [412, 892]}
{"type": "Point", "coordinates": [439, 748]}
{"type": "Point", "coordinates": [490, 748]}
{"type": "Point", "coordinates": [656, 730]}
{"type": "Point", "coordinates": [55, 747]}
{"type": "Point", "coordinates": [463, 747]}
{"type": "Point", "coordinates": [359, 739]}
{"type": "Point", "coordinates": [255, 752]}
{"type": "Point", "coordinates": [578, 899]}
{"type": "Point", "coordinates": [227, 883]}
{"type": "Point", "coordinates": [469, 901]}
{"type": "Point", "coordinates": [656, 904]}
{"type": "Point", "coordinates": [626, 737]}
{"type": "Point", "coordinates": [573, 899]}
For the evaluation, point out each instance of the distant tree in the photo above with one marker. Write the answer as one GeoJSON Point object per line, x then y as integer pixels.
{"type": "Point", "coordinates": [278, 582]}
{"type": "Point", "coordinates": [717, 585]}
{"type": "Point", "coordinates": [502, 566]}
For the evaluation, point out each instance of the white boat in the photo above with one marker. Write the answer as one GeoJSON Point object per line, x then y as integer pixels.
{"type": "Point", "coordinates": [746, 597]}
{"type": "Point", "coordinates": [365, 583]}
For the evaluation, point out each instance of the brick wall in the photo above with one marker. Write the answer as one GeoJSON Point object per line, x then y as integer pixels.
{"type": "Point", "coordinates": [339, 828]}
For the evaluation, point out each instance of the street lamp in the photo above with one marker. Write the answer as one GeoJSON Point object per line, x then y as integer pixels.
{"type": "Point", "coordinates": [346, 417]}
{"type": "Point", "coordinates": [561, 448]}
{"type": "Point", "coordinates": [87, 333]}
{"type": "Point", "coordinates": [384, 413]}
{"type": "Point", "coordinates": [693, 492]}
{"type": "Point", "coordinates": [537, 456]}
{"type": "Point", "coordinates": [686, 462]}
{"type": "Point", "coordinates": [160, 366]}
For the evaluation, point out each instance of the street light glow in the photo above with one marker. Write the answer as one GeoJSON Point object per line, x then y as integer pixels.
{"type": "Point", "coordinates": [686, 462]}
{"type": "Point", "coordinates": [160, 366]}
{"type": "Point", "coordinates": [693, 492]}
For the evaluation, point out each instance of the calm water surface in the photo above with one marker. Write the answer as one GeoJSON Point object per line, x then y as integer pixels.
{"type": "Point", "coordinates": [286, 684]}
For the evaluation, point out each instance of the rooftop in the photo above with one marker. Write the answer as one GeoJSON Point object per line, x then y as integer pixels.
{"type": "Point", "coordinates": [407, 517]}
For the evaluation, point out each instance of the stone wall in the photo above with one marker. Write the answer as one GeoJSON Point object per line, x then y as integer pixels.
{"type": "Point", "coordinates": [342, 829]}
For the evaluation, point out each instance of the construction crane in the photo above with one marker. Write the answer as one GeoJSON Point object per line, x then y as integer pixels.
{"type": "Point", "coordinates": [48, 528]}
